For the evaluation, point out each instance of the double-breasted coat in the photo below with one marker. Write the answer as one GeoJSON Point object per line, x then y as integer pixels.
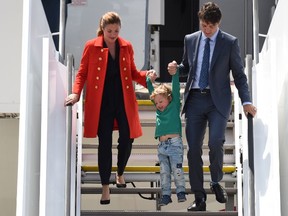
{"type": "Point", "coordinates": [92, 71]}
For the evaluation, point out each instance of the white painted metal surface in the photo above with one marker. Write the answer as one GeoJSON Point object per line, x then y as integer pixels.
{"type": "Point", "coordinates": [83, 21]}
{"type": "Point", "coordinates": [156, 15]}
{"type": "Point", "coordinates": [238, 150]}
{"type": "Point", "coordinates": [30, 109]}
{"type": "Point", "coordinates": [41, 159]}
{"type": "Point", "coordinates": [79, 108]}
{"type": "Point", "coordinates": [53, 136]}
{"type": "Point", "coordinates": [10, 55]}
{"type": "Point", "coordinates": [271, 81]}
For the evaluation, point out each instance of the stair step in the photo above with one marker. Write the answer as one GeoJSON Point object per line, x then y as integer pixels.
{"type": "Point", "coordinates": [145, 213]}
{"type": "Point", "coordinates": [151, 123]}
{"type": "Point", "coordinates": [90, 178]}
{"type": "Point", "coordinates": [226, 169]}
{"type": "Point", "coordinates": [151, 146]}
{"type": "Point", "coordinates": [151, 158]}
{"type": "Point", "coordinates": [144, 190]}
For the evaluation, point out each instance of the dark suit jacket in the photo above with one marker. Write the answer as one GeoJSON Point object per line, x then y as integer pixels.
{"type": "Point", "coordinates": [226, 57]}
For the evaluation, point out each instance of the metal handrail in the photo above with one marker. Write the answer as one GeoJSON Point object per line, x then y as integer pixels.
{"type": "Point", "coordinates": [250, 137]}
{"type": "Point", "coordinates": [255, 31]}
{"type": "Point", "coordinates": [68, 138]}
{"type": "Point", "coordinates": [62, 26]}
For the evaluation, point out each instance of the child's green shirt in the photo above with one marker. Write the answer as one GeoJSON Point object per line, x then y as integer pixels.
{"type": "Point", "coordinates": [168, 121]}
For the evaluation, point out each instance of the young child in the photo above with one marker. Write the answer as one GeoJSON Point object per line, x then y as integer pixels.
{"type": "Point", "coordinates": [169, 133]}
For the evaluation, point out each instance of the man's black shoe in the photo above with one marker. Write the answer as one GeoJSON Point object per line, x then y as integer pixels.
{"type": "Point", "coordinates": [197, 205]}
{"type": "Point", "coordinates": [220, 193]}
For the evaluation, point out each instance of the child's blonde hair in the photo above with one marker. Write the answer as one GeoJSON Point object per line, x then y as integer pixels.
{"type": "Point", "coordinates": [164, 90]}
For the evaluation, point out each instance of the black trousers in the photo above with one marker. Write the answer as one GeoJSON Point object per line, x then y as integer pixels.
{"type": "Point", "coordinates": [105, 133]}
{"type": "Point", "coordinates": [201, 111]}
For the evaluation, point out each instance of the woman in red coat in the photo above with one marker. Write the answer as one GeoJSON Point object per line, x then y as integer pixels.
{"type": "Point", "coordinates": [108, 69]}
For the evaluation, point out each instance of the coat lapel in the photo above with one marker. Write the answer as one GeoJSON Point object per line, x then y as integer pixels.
{"type": "Point", "coordinates": [197, 42]}
{"type": "Point", "coordinates": [217, 49]}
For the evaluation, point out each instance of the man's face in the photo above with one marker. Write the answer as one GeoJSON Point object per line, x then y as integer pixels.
{"type": "Point", "coordinates": [208, 28]}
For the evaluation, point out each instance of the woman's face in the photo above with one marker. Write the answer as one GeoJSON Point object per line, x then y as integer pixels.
{"type": "Point", "coordinates": [111, 32]}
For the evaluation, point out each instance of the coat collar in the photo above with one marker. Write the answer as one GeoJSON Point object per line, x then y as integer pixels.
{"type": "Point", "coordinates": [99, 41]}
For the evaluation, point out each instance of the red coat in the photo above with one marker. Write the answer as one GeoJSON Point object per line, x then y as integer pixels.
{"type": "Point", "coordinates": [92, 71]}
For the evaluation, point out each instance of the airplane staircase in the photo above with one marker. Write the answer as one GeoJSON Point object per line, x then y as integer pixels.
{"type": "Point", "coordinates": [143, 178]}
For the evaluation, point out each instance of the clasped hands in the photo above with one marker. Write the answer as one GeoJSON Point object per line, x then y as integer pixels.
{"type": "Point", "coordinates": [172, 68]}
{"type": "Point", "coordinates": [152, 75]}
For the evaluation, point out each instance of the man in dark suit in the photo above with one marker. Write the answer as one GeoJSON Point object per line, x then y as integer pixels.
{"type": "Point", "coordinates": [209, 56]}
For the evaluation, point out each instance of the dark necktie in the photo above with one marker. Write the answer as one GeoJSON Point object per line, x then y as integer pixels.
{"type": "Point", "coordinates": [204, 74]}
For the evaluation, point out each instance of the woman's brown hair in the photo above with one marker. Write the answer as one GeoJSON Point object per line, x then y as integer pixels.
{"type": "Point", "coordinates": [106, 19]}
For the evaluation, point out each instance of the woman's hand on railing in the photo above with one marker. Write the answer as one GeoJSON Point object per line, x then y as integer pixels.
{"type": "Point", "coordinates": [71, 99]}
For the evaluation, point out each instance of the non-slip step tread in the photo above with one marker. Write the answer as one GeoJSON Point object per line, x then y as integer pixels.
{"type": "Point", "coordinates": [91, 168]}
{"type": "Point", "coordinates": [150, 158]}
{"type": "Point", "coordinates": [166, 213]}
{"type": "Point", "coordinates": [93, 177]}
{"type": "Point", "coordinates": [150, 146]}
{"type": "Point", "coordinates": [143, 190]}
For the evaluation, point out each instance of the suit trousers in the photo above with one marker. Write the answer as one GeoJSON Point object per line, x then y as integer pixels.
{"type": "Point", "coordinates": [105, 133]}
{"type": "Point", "coordinates": [200, 111]}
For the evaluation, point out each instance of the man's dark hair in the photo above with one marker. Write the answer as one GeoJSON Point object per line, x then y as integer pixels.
{"type": "Point", "coordinates": [210, 13]}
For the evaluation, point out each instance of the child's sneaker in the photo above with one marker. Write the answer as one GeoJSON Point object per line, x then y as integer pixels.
{"type": "Point", "coordinates": [181, 197]}
{"type": "Point", "coordinates": [165, 200]}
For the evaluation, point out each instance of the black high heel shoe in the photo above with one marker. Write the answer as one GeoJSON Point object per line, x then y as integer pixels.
{"type": "Point", "coordinates": [119, 185]}
{"type": "Point", "coordinates": [105, 202]}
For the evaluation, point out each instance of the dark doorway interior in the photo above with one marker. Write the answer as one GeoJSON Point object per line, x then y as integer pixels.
{"type": "Point", "coordinates": [180, 19]}
{"type": "Point", "coordinates": [52, 11]}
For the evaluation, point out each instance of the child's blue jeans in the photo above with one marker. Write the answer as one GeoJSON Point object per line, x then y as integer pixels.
{"type": "Point", "coordinates": [170, 154]}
